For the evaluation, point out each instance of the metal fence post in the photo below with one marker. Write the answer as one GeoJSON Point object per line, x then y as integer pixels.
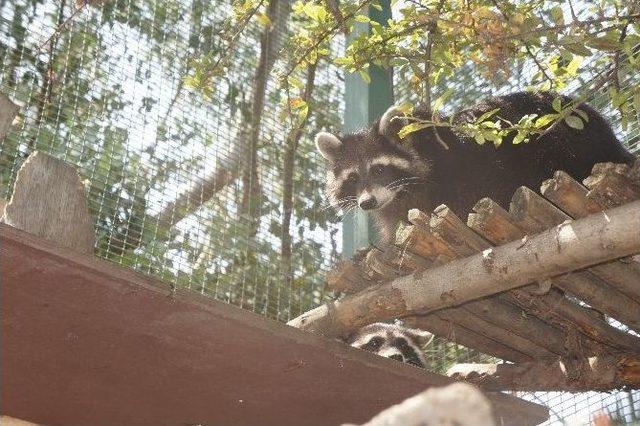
{"type": "Point", "coordinates": [364, 103]}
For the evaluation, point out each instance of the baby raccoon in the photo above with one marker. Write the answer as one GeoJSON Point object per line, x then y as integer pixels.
{"type": "Point", "coordinates": [393, 341]}
{"type": "Point", "coordinates": [378, 172]}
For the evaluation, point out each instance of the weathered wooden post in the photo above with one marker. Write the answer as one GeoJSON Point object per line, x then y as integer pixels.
{"type": "Point", "coordinates": [49, 201]}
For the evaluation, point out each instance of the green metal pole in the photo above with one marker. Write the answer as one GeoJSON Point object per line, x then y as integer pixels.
{"type": "Point", "coordinates": [364, 103]}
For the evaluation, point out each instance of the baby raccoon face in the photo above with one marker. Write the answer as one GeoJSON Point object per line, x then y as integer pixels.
{"type": "Point", "coordinates": [393, 341]}
{"type": "Point", "coordinates": [371, 167]}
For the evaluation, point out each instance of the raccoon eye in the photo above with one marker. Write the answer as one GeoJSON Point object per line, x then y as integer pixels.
{"type": "Point", "coordinates": [377, 169]}
{"type": "Point", "coordinates": [352, 178]}
{"type": "Point", "coordinates": [373, 344]}
{"type": "Point", "coordinates": [401, 342]}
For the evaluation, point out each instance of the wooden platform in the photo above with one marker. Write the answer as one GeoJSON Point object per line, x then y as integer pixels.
{"type": "Point", "coordinates": [563, 316]}
{"type": "Point", "coordinates": [85, 342]}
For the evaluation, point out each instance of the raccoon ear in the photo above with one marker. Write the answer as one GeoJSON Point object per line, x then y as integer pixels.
{"type": "Point", "coordinates": [328, 145]}
{"type": "Point", "coordinates": [391, 123]}
{"type": "Point", "coordinates": [421, 337]}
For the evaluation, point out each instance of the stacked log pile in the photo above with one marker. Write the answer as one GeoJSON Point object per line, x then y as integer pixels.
{"type": "Point", "coordinates": [563, 312]}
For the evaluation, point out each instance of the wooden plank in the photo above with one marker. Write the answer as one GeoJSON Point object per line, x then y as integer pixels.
{"type": "Point", "coordinates": [49, 201]}
{"type": "Point", "coordinates": [603, 374]}
{"type": "Point", "coordinates": [87, 342]}
{"type": "Point", "coordinates": [584, 242]}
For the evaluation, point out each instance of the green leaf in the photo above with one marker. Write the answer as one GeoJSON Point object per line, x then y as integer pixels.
{"type": "Point", "coordinates": [519, 138]}
{"type": "Point", "coordinates": [437, 104]}
{"type": "Point", "coordinates": [557, 15]}
{"type": "Point", "coordinates": [487, 114]}
{"type": "Point", "coordinates": [582, 114]}
{"type": "Point", "coordinates": [574, 121]}
{"type": "Point", "coordinates": [543, 121]}
{"type": "Point", "coordinates": [557, 104]}
{"type": "Point", "coordinates": [405, 107]}
{"type": "Point", "coordinates": [362, 18]}
{"type": "Point", "coordinates": [412, 127]}
{"type": "Point", "coordinates": [263, 19]}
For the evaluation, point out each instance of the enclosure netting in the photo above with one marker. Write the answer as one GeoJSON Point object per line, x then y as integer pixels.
{"type": "Point", "coordinates": [103, 87]}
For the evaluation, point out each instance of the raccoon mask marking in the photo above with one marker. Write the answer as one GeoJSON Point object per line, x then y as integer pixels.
{"type": "Point", "coordinates": [372, 169]}
{"type": "Point", "coordinates": [393, 341]}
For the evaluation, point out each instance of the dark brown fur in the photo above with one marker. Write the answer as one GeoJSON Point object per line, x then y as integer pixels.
{"type": "Point", "coordinates": [466, 172]}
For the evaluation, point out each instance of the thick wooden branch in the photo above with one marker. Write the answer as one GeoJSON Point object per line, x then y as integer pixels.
{"type": "Point", "coordinates": [498, 226]}
{"type": "Point", "coordinates": [536, 214]}
{"type": "Point", "coordinates": [590, 374]}
{"type": "Point", "coordinates": [442, 324]}
{"type": "Point", "coordinates": [570, 246]}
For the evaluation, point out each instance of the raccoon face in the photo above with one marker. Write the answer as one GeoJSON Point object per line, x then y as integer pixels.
{"type": "Point", "coordinates": [370, 168]}
{"type": "Point", "coordinates": [393, 341]}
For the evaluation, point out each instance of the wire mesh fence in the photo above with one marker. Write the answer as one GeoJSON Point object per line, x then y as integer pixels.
{"type": "Point", "coordinates": [103, 87]}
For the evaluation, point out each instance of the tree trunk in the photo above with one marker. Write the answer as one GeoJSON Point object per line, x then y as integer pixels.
{"type": "Point", "coordinates": [291, 147]}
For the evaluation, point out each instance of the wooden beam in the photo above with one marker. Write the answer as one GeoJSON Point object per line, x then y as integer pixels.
{"type": "Point", "coordinates": [597, 238]}
{"type": "Point", "coordinates": [604, 374]}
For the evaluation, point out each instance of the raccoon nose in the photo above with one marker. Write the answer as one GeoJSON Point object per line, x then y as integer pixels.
{"type": "Point", "coordinates": [397, 357]}
{"type": "Point", "coordinates": [367, 202]}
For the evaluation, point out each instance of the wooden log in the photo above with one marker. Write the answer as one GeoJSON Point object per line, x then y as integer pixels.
{"type": "Point", "coordinates": [603, 374]}
{"type": "Point", "coordinates": [502, 324]}
{"type": "Point", "coordinates": [569, 195]}
{"type": "Point", "coordinates": [49, 201]}
{"type": "Point", "coordinates": [418, 240]}
{"type": "Point", "coordinates": [8, 111]}
{"type": "Point", "coordinates": [457, 404]}
{"type": "Point", "coordinates": [452, 235]}
{"type": "Point", "coordinates": [596, 292]}
{"type": "Point", "coordinates": [610, 185]}
{"type": "Point", "coordinates": [521, 322]}
{"type": "Point", "coordinates": [493, 222]}
{"type": "Point", "coordinates": [552, 307]}
{"type": "Point", "coordinates": [594, 239]}
{"type": "Point", "coordinates": [347, 277]}
{"type": "Point", "coordinates": [468, 319]}
{"type": "Point", "coordinates": [623, 274]}
{"type": "Point", "coordinates": [601, 296]}
{"type": "Point", "coordinates": [557, 309]}
{"type": "Point", "coordinates": [443, 325]}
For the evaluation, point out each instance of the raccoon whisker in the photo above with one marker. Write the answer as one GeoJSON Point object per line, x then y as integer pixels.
{"type": "Point", "coordinates": [412, 178]}
{"type": "Point", "coordinates": [403, 185]}
{"type": "Point", "coordinates": [341, 203]}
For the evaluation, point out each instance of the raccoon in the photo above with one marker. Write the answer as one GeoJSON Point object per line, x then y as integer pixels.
{"type": "Point", "coordinates": [375, 170]}
{"type": "Point", "coordinates": [393, 341]}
